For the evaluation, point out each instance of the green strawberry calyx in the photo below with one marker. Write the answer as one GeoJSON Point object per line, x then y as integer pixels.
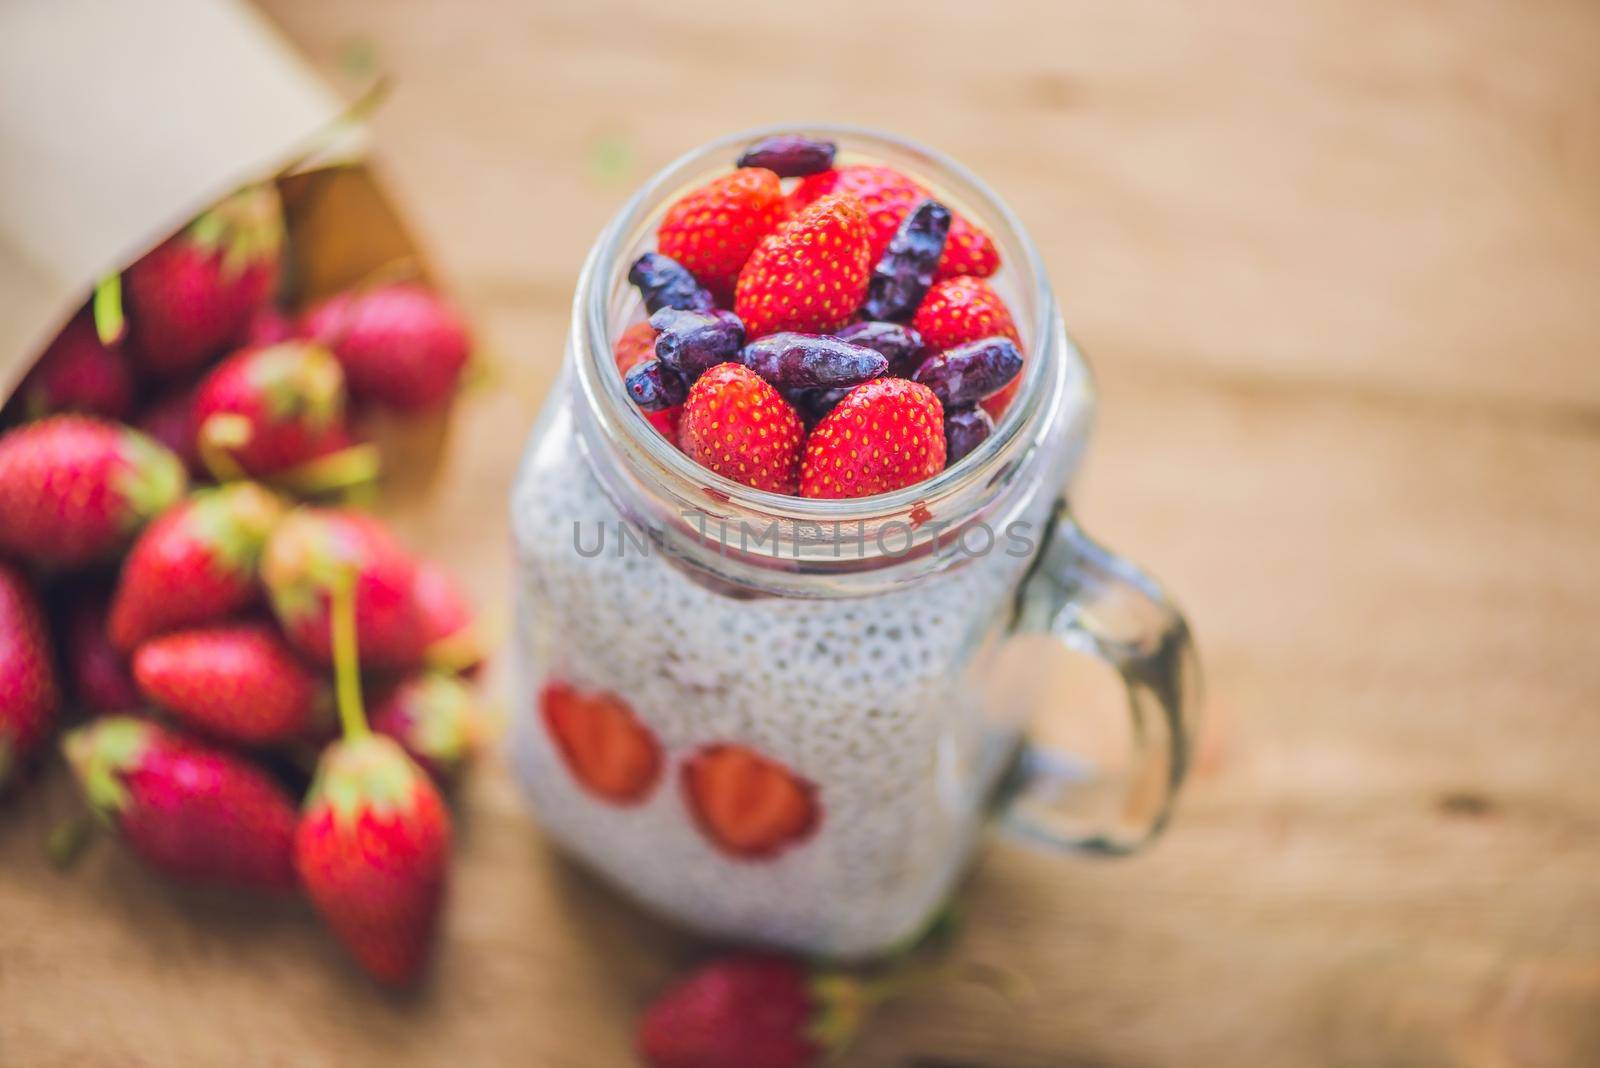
{"type": "Point", "coordinates": [233, 521]}
{"type": "Point", "coordinates": [246, 228]}
{"type": "Point", "coordinates": [370, 775]}
{"type": "Point", "coordinates": [303, 563]}
{"type": "Point", "coordinates": [299, 381]}
{"type": "Point", "coordinates": [101, 753]}
{"type": "Point", "coordinates": [150, 481]}
{"type": "Point", "coordinates": [444, 719]}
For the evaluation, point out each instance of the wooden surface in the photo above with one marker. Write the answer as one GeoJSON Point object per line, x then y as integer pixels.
{"type": "Point", "coordinates": [1336, 264]}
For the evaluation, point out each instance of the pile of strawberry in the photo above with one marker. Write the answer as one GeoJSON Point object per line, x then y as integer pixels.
{"type": "Point", "coordinates": [221, 638]}
{"type": "Point", "coordinates": [835, 339]}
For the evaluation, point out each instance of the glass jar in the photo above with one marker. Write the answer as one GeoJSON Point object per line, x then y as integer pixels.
{"type": "Point", "coordinates": [776, 719]}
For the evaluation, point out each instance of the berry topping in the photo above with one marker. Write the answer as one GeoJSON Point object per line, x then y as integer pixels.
{"type": "Point", "coordinates": [636, 345]}
{"type": "Point", "coordinates": [905, 271]}
{"type": "Point", "coordinates": [654, 387]}
{"type": "Point", "coordinates": [959, 310]}
{"type": "Point", "coordinates": [665, 283]}
{"type": "Point", "coordinates": [713, 230]}
{"type": "Point", "coordinates": [883, 435]}
{"type": "Point", "coordinates": [810, 274]}
{"type": "Point", "coordinates": [750, 806]}
{"type": "Point", "coordinates": [968, 373]}
{"type": "Point", "coordinates": [813, 404]}
{"type": "Point", "coordinates": [739, 426]}
{"type": "Point", "coordinates": [888, 197]}
{"type": "Point", "coordinates": [692, 343]}
{"type": "Point", "coordinates": [898, 342]}
{"type": "Point", "coordinates": [809, 361]}
{"type": "Point", "coordinates": [789, 156]}
{"type": "Point", "coordinates": [602, 743]}
{"type": "Point", "coordinates": [964, 430]}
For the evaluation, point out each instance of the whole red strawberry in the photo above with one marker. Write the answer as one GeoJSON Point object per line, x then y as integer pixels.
{"type": "Point", "coordinates": [29, 697]}
{"type": "Point", "coordinates": [372, 849]}
{"type": "Point", "coordinates": [448, 629]}
{"type": "Point", "coordinates": [753, 1010]}
{"type": "Point", "coordinates": [400, 345]}
{"type": "Point", "coordinates": [888, 197]}
{"type": "Point", "coordinates": [314, 550]}
{"type": "Point", "coordinates": [436, 719]}
{"type": "Point", "coordinates": [73, 489]}
{"type": "Point", "coordinates": [958, 310]}
{"type": "Point", "coordinates": [194, 812]}
{"type": "Point", "coordinates": [810, 274]}
{"type": "Point", "coordinates": [236, 682]}
{"type": "Point", "coordinates": [99, 675]}
{"type": "Point", "coordinates": [884, 434]}
{"type": "Point", "coordinates": [194, 295]}
{"type": "Point", "coordinates": [736, 424]}
{"type": "Point", "coordinates": [195, 564]}
{"type": "Point", "coordinates": [78, 374]}
{"type": "Point", "coordinates": [634, 346]}
{"type": "Point", "coordinates": [713, 230]}
{"type": "Point", "coordinates": [268, 410]}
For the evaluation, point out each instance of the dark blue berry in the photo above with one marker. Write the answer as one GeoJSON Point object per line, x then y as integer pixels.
{"type": "Point", "coordinates": [812, 361]}
{"type": "Point", "coordinates": [654, 387]}
{"type": "Point", "coordinates": [693, 342]}
{"type": "Point", "coordinates": [789, 156]}
{"type": "Point", "coordinates": [902, 277]}
{"type": "Point", "coordinates": [968, 373]}
{"type": "Point", "coordinates": [964, 430]}
{"type": "Point", "coordinates": [813, 404]}
{"type": "Point", "coordinates": [900, 345]}
{"type": "Point", "coordinates": [665, 283]}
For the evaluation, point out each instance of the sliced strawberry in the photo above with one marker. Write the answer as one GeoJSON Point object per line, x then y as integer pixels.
{"type": "Point", "coordinates": [736, 424]}
{"type": "Point", "coordinates": [634, 346]}
{"type": "Point", "coordinates": [959, 310]}
{"type": "Point", "coordinates": [604, 745]}
{"type": "Point", "coordinates": [888, 196]}
{"type": "Point", "coordinates": [751, 807]}
{"type": "Point", "coordinates": [884, 434]}
{"type": "Point", "coordinates": [713, 230]}
{"type": "Point", "coordinates": [810, 274]}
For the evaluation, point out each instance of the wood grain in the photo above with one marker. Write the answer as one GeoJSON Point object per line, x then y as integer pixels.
{"type": "Point", "coordinates": [1336, 266]}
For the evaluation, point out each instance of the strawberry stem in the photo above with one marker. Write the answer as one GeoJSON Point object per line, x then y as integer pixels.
{"type": "Point", "coordinates": [108, 318]}
{"type": "Point", "coordinates": [346, 657]}
{"type": "Point", "coordinates": [219, 435]}
{"type": "Point", "coordinates": [67, 839]}
{"type": "Point", "coordinates": [342, 470]}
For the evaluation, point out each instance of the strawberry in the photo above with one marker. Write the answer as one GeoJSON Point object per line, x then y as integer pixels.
{"type": "Point", "coordinates": [448, 629]}
{"type": "Point", "coordinates": [634, 346]}
{"type": "Point", "coordinates": [755, 1010]}
{"type": "Point", "coordinates": [713, 230]}
{"type": "Point", "coordinates": [267, 410]}
{"type": "Point", "coordinates": [810, 274]}
{"type": "Point", "coordinates": [737, 424]}
{"type": "Point", "coordinates": [888, 196]}
{"type": "Point", "coordinates": [99, 674]}
{"type": "Point", "coordinates": [193, 296]}
{"type": "Point", "coordinates": [194, 812]}
{"type": "Point", "coordinates": [78, 374]}
{"type": "Point", "coordinates": [73, 489]}
{"type": "Point", "coordinates": [169, 419]}
{"type": "Point", "coordinates": [29, 697]}
{"type": "Point", "coordinates": [958, 310]}
{"type": "Point", "coordinates": [235, 682]}
{"type": "Point", "coordinates": [884, 434]}
{"type": "Point", "coordinates": [436, 720]}
{"type": "Point", "coordinates": [603, 744]}
{"type": "Point", "coordinates": [267, 326]}
{"type": "Point", "coordinates": [372, 849]}
{"type": "Point", "coordinates": [400, 345]}
{"type": "Point", "coordinates": [314, 550]}
{"type": "Point", "coordinates": [195, 564]}
{"type": "Point", "coordinates": [749, 806]}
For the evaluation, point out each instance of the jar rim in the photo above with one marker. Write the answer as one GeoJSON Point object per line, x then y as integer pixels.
{"type": "Point", "coordinates": [603, 292]}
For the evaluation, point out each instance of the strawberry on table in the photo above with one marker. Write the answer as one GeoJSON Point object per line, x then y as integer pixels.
{"type": "Point", "coordinates": [737, 424]}
{"type": "Point", "coordinates": [235, 682]}
{"type": "Point", "coordinates": [267, 410]}
{"type": "Point", "coordinates": [713, 230]}
{"type": "Point", "coordinates": [810, 274]}
{"type": "Point", "coordinates": [78, 373]}
{"type": "Point", "coordinates": [195, 564]}
{"type": "Point", "coordinates": [29, 697]}
{"type": "Point", "coordinates": [448, 630]}
{"type": "Point", "coordinates": [436, 719]}
{"type": "Point", "coordinates": [401, 345]}
{"type": "Point", "coordinates": [884, 435]}
{"type": "Point", "coordinates": [194, 295]}
{"type": "Point", "coordinates": [749, 806]}
{"type": "Point", "coordinates": [959, 310]}
{"type": "Point", "coordinates": [196, 813]}
{"type": "Point", "coordinates": [602, 742]}
{"type": "Point", "coordinates": [888, 196]}
{"type": "Point", "coordinates": [73, 489]}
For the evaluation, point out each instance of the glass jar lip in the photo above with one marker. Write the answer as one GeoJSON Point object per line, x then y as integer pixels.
{"type": "Point", "coordinates": [608, 399]}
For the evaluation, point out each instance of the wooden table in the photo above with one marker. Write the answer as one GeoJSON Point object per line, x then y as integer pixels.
{"type": "Point", "coordinates": [1336, 265]}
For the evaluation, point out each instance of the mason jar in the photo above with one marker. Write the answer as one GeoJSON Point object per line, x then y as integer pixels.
{"type": "Point", "coordinates": [789, 721]}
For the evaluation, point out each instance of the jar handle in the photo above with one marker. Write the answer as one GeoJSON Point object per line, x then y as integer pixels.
{"type": "Point", "coordinates": [1095, 602]}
